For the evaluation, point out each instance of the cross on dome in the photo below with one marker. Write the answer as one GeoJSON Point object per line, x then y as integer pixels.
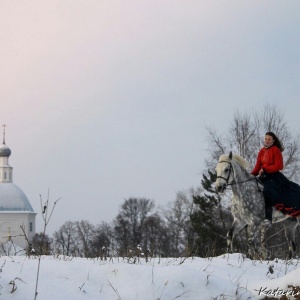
{"type": "Point", "coordinates": [4, 133]}
{"type": "Point", "coordinates": [4, 150]}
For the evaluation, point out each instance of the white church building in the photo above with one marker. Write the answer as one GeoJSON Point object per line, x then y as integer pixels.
{"type": "Point", "coordinates": [15, 209]}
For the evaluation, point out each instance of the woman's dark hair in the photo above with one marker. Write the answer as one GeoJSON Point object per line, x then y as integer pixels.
{"type": "Point", "coordinates": [277, 142]}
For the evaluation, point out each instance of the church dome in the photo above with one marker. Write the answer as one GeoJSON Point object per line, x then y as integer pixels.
{"type": "Point", "coordinates": [13, 199]}
{"type": "Point", "coordinates": [5, 151]}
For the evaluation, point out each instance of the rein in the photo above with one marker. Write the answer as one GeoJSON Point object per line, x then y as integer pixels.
{"type": "Point", "coordinates": [242, 181]}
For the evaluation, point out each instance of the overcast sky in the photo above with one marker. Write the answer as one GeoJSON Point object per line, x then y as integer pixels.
{"type": "Point", "coordinates": [106, 100]}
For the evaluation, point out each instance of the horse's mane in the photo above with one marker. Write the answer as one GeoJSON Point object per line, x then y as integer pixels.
{"type": "Point", "coordinates": [240, 160]}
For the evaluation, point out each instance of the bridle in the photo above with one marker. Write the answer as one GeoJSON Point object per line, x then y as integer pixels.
{"type": "Point", "coordinates": [234, 182]}
{"type": "Point", "coordinates": [230, 170]}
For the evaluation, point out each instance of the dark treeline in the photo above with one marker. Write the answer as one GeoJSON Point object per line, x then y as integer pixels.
{"type": "Point", "coordinates": [197, 221]}
{"type": "Point", "coordinates": [139, 229]}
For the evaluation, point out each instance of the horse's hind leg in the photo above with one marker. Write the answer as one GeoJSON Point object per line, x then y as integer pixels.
{"type": "Point", "coordinates": [235, 228]}
{"type": "Point", "coordinates": [290, 226]}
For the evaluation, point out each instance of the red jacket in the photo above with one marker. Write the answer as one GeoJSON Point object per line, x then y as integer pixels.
{"type": "Point", "coordinates": [269, 159]}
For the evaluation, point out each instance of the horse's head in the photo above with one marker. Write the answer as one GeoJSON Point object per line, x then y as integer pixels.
{"type": "Point", "coordinates": [224, 172]}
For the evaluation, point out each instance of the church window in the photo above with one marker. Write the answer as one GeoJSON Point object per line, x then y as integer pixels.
{"type": "Point", "coordinates": [30, 226]}
{"type": "Point", "coordinates": [4, 175]}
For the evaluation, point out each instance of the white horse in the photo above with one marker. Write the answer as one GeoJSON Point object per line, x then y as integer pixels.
{"type": "Point", "coordinates": [248, 205]}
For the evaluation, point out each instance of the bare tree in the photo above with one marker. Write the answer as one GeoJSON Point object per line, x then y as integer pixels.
{"type": "Point", "coordinates": [130, 222]}
{"type": "Point", "coordinates": [154, 233]}
{"type": "Point", "coordinates": [102, 241]}
{"type": "Point", "coordinates": [177, 215]}
{"type": "Point", "coordinates": [85, 232]}
{"type": "Point", "coordinates": [66, 239]}
{"type": "Point", "coordinates": [41, 244]}
{"type": "Point", "coordinates": [122, 234]}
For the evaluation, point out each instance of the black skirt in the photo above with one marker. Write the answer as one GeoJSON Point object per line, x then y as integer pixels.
{"type": "Point", "coordinates": [282, 193]}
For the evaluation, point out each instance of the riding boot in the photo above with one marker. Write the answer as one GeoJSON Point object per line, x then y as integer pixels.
{"type": "Point", "coordinates": [268, 214]}
{"type": "Point", "coordinates": [268, 209]}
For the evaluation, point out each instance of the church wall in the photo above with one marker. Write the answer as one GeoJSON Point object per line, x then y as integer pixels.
{"type": "Point", "coordinates": [10, 226]}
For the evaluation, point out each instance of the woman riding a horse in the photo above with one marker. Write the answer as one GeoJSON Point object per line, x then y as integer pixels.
{"type": "Point", "coordinates": [247, 204]}
{"type": "Point", "coordinates": [278, 191]}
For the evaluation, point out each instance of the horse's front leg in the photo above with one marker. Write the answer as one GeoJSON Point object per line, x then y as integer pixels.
{"type": "Point", "coordinates": [263, 238]}
{"type": "Point", "coordinates": [236, 226]}
{"type": "Point", "coordinates": [253, 238]}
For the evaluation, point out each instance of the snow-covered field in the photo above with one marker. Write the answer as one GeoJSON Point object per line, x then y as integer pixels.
{"type": "Point", "coordinates": [230, 276]}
